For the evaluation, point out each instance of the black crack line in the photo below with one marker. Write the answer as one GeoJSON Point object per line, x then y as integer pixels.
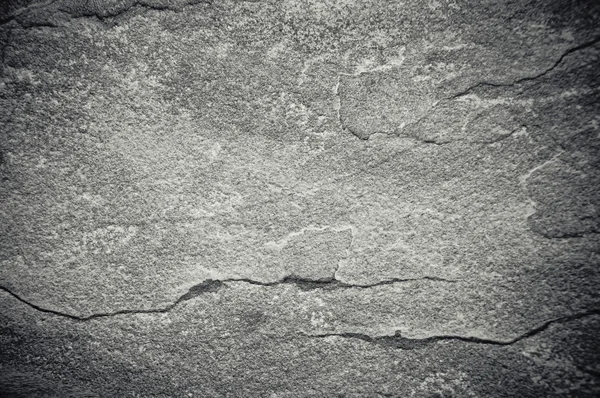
{"type": "Point", "coordinates": [137, 4]}
{"type": "Point", "coordinates": [568, 235]}
{"type": "Point", "coordinates": [97, 14]}
{"type": "Point", "coordinates": [529, 78]}
{"type": "Point", "coordinates": [16, 14]}
{"type": "Point", "coordinates": [212, 286]}
{"type": "Point", "coordinates": [434, 141]}
{"type": "Point", "coordinates": [334, 284]}
{"type": "Point", "coordinates": [5, 47]}
{"type": "Point", "coordinates": [591, 372]}
{"type": "Point", "coordinates": [466, 91]}
{"type": "Point", "coordinates": [204, 287]}
{"type": "Point", "coordinates": [405, 343]}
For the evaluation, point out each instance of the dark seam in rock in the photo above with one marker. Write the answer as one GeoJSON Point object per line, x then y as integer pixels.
{"type": "Point", "coordinates": [138, 4]}
{"type": "Point", "coordinates": [482, 142]}
{"type": "Point", "coordinates": [331, 283]}
{"type": "Point", "coordinates": [399, 342]}
{"type": "Point", "coordinates": [204, 287]}
{"type": "Point", "coordinates": [5, 47]}
{"type": "Point", "coordinates": [211, 286]}
{"type": "Point", "coordinates": [591, 372]}
{"type": "Point", "coordinates": [7, 20]}
{"type": "Point", "coordinates": [572, 235]}
{"type": "Point", "coordinates": [102, 18]}
{"type": "Point", "coordinates": [44, 24]}
{"type": "Point", "coordinates": [468, 90]}
{"type": "Point", "coordinates": [528, 78]}
{"type": "Point", "coordinates": [396, 341]}
{"type": "Point", "coordinates": [23, 10]}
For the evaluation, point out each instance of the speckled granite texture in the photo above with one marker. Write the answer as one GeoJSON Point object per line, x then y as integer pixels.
{"type": "Point", "coordinates": [300, 198]}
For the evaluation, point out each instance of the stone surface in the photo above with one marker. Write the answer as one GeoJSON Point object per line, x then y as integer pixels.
{"type": "Point", "coordinates": [299, 198]}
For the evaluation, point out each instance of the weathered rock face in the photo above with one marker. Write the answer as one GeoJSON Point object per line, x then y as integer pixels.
{"type": "Point", "coordinates": [300, 198]}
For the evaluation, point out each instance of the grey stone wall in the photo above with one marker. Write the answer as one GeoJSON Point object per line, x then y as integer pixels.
{"type": "Point", "coordinates": [299, 198]}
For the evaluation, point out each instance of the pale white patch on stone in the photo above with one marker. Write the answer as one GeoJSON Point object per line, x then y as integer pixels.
{"type": "Point", "coordinates": [280, 244]}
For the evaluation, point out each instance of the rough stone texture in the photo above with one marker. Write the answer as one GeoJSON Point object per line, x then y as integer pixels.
{"type": "Point", "coordinates": [299, 198]}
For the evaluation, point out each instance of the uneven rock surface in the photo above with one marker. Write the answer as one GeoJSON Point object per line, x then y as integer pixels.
{"type": "Point", "coordinates": [299, 198]}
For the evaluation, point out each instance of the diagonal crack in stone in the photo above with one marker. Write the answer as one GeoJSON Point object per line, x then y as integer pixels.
{"type": "Point", "coordinates": [93, 14]}
{"type": "Point", "coordinates": [398, 342]}
{"type": "Point", "coordinates": [21, 11]}
{"type": "Point", "coordinates": [468, 90]}
{"type": "Point", "coordinates": [568, 52]}
{"type": "Point", "coordinates": [211, 286]}
{"type": "Point", "coordinates": [144, 5]}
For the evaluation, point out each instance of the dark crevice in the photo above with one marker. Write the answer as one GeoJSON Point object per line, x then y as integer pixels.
{"type": "Point", "coordinates": [208, 286]}
{"type": "Point", "coordinates": [212, 286]}
{"type": "Point", "coordinates": [98, 14]}
{"type": "Point", "coordinates": [591, 372]}
{"type": "Point", "coordinates": [590, 43]}
{"type": "Point", "coordinates": [566, 235]}
{"type": "Point", "coordinates": [6, 20]}
{"type": "Point", "coordinates": [13, 17]}
{"type": "Point", "coordinates": [37, 24]}
{"type": "Point", "coordinates": [204, 287]}
{"type": "Point", "coordinates": [434, 142]}
{"type": "Point", "coordinates": [397, 341]}
{"type": "Point", "coordinates": [333, 284]}
{"type": "Point", "coordinates": [528, 78]}
{"type": "Point", "coordinates": [106, 17]}
{"type": "Point", "coordinates": [429, 141]}
{"type": "Point", "coordinates": [5, 47]}
{"type": "Point", "coordinates": [405, 343]}
{"type": "Point", "coordinates": [38, 308]}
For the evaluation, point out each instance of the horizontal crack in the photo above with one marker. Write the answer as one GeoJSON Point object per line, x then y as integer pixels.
{"type": "Point", "coordinates": [364, 137]}
{"type": "Point", "coordinates": [211, 286]}
{"type": "Point", "coordinates": [405, 343]}
{"type": "Point", "coordinates": [204, 287]}
{"type": "Point", "coordinates": [568, 235]}
{"type": "Point", "coordinates": [144, 5]}
{"type": "Point", "coordinates": [333, 284]}
{"type": "Point", "coordinates": [104, 17]}
{"type": "Point", "coordinates": [528, 78]}
{"type": "Point", "coordinates": [397, 341]}
{"type": "Point", "coordinates": [591, 372]}
{"type": "Point", "coordinates": [35, 6]}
